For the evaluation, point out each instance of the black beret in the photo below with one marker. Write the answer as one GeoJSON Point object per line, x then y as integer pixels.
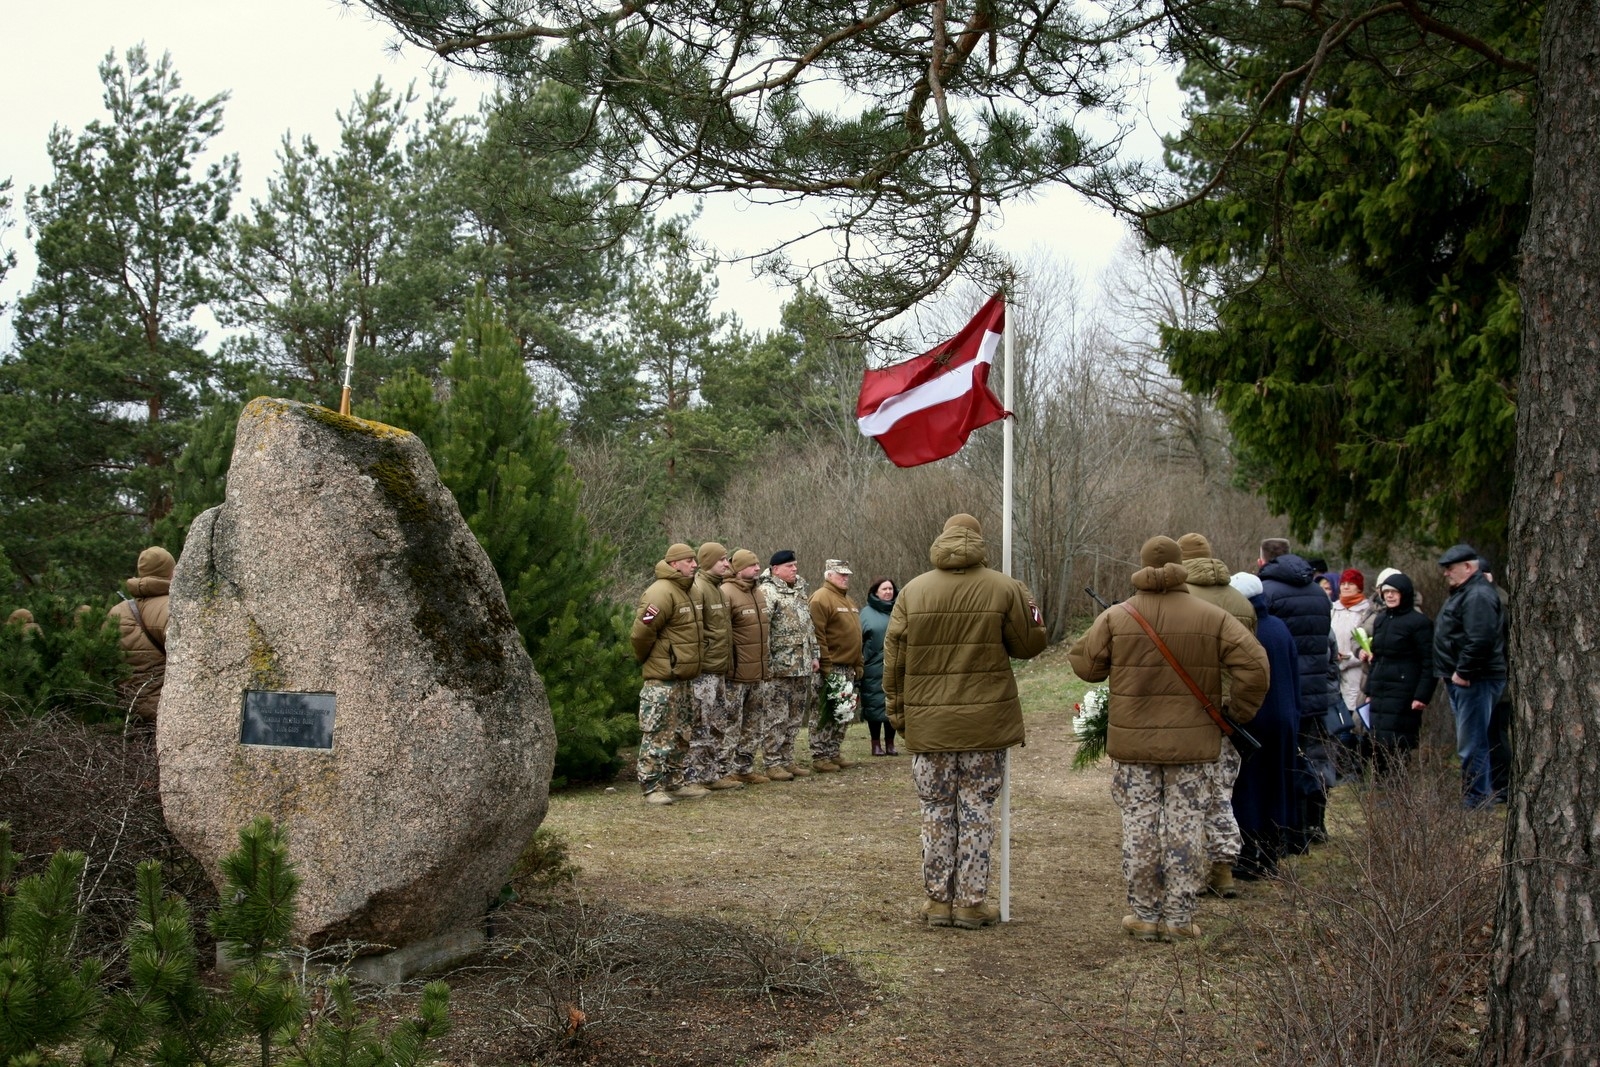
{"type": "Point", "coordinates": [783, 555]}
{"type": "Point", "coordinates": [1457, 554]}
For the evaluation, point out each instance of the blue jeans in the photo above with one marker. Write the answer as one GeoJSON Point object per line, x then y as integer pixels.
{"type": "Point", "coordinates": [1472, 705]}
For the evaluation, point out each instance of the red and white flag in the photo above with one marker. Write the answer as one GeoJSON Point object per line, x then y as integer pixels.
{"type": "Point", "coordinates": [925, 408]}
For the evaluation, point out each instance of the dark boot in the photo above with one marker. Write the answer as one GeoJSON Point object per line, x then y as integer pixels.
{"type": "Point", "coordinates": [877, 747]}
{"type": "Point", "coordinates": [888, 748]}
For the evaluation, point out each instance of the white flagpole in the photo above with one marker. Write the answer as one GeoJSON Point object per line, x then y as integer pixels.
{"type": "Point", "coordinates": [1005, 566]}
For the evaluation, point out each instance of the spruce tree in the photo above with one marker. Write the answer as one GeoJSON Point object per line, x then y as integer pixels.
{"type": "Point", "coordinates": [500, 454]}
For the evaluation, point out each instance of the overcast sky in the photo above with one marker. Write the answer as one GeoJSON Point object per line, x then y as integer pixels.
{"type": "Point", "coordinates": [289, 65]}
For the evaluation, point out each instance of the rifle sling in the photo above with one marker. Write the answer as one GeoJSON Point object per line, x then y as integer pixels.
{"type": "Point", "coordinates": [161, 646]}
{"type": "Point", "coordinates": [1223, 724]}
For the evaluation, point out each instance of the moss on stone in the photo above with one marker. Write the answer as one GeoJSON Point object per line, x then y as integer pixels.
{"type": "Point", "coordinates": [351, 424]}
{"type": "Point", "coordinates": [265, 670]}
{"type": "Point", "coordinates": [399, 484]}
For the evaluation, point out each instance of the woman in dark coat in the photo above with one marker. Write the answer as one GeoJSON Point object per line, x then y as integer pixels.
{"type": "Point", "coordinates": [874, 624]}
{"type": "Point", "coordinates": [1263, 795]}
{"type": "Point", "coordinates": [1401, 680]}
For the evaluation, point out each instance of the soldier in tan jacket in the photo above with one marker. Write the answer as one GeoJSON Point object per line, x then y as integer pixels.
{"type": "Point", "coordinates": [838, 624]}
{"type": "Point", "coordinates": [667, 644]}
{"type": "Point", "coordinates": [141, 621]}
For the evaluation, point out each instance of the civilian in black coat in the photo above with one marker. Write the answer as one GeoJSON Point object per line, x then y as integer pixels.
{"type": "Point", "coordinates": [1401, 680]}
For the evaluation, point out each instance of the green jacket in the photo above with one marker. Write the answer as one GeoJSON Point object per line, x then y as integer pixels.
{"type": "Point", "coordinates": [666, 635]}
{"type": "Point", "coordinates": [947, 655]}
{"type": "Point", "coordinates": [716, 654]}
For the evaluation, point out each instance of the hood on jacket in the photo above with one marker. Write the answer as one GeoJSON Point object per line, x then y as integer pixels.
{"type": "Point", "coordinates": [1408, 593]}
{"type": "Point", "coordinates": [155, 562]}
{"type": "Point", "coordinates": [1289, 569]}
{"type": "Point", "coordinates": [957, 548]}
{"type": "Point", "coordinates": [667, 571]}
{"type": "Point", "coordinates": [1203, 571]}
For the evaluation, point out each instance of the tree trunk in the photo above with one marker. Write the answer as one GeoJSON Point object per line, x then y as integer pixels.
{"type": "Point", "coordinates": [1545, 989]}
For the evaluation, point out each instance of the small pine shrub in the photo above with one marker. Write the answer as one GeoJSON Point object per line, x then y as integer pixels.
{"type": "Point", "coordinates": [69, 663]}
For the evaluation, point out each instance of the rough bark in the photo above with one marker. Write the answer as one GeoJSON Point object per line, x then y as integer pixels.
{"type": "Point", "coordinates": [1545, 992]}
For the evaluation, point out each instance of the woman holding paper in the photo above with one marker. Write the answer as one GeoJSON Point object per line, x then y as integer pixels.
{"type": "Point", "coordinates": [1401, 680]}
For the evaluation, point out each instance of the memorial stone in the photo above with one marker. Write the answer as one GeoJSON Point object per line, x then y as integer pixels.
{"type": "Point", "coordinates": [341, 659]}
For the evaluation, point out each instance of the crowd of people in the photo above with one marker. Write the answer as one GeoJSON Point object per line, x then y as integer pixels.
{"type": "Point", "coordinates": [1328, 681]}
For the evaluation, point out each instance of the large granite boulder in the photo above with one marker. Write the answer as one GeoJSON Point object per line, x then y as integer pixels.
{"type": "Point", "coordinates": [340, 564]}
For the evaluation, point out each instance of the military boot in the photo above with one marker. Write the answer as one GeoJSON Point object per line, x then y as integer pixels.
{"type": "Point", "coordinates": [656, 796]}
{"type": "Point", "coordinates": [824, 766]}
{"type": "Point", "coordinates": [690, 791]}
{"type": "Point", "coordinates": [728, 782]}
{"type": "Point", "coordinates": [797, 771]}
{"type": "Point", "coordinates": [778, 774]}
{"type": "Point", "coordinates": [1221, 880]}
{"type": "Point", "coordinates": [753, 778]}
{"type": "Point", "coordinates": [975, 917]}
{"type": "Point", "coordinates": [936, 912]}
{"type": "Point", "coordinates": [1185, 930]}
{"type": "Point", "coordinates": [842, 763]}
{"type": "Point", "coordinates": [1140, 930]}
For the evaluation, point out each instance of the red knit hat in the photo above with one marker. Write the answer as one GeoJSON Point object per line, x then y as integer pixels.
{"type": "Point", "coordinates": [1354, 577]}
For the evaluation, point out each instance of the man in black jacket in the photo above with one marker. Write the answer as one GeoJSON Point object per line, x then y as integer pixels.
{"type": "Point", "coordinates": [1469, 653]}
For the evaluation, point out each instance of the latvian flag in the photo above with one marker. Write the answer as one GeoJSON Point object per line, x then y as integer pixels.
{"type": "Point", "coordinates": [924, 409]}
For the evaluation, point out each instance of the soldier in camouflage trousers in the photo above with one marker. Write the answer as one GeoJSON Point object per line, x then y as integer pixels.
{"type": "Point", "coordinates": [715, 718]}
{"type": "Point", "coordinates": [838, 624]}
{"type": "Point", "coordinates": [1164, 837]}
{"type": "Point", "coordinates": [792, 662]}
{"type": "Point", "coordinates": [667, 643]}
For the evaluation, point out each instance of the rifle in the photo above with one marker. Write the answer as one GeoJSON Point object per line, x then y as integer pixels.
{"type": "Point", "coordinates": [1242, 739]}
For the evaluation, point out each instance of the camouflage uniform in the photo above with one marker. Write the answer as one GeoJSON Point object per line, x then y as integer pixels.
{"type": "Point", "coordinates": [958, 791]}
{"type": "Point", "coordinates": [1223, 841]}
{"type": "Point", "coordinates": [664, 714]}
{"type": "Point", "coordinates": [713, 716]}
{"type": "Point", "coordinates": [715, 729]}
{"type": "Point", "coordinates": [791, 652]}
{"type": "Point", "coordinates": [1163, 836]}
{"type": "Point", "coordinates": [746, 700]}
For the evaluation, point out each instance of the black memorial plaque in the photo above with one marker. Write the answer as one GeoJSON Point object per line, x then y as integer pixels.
{"type": "Point", "coordinates": [287, 720]}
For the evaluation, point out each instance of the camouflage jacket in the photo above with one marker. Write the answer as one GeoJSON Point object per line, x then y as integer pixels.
{"type": "Point", "coordinates": [791, 636]}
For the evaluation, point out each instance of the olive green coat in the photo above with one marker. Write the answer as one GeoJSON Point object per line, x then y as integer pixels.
{"type": "Point", "coordinates": [838, 624]}
{"type": "Point", "coordinates": [666, 634]}
{"type": "Point", "coordinates": [947, 654]}
{"type": "Point", "coordinates": [747, 619]}
{"type": "Point", "coordinates": [716, 650]}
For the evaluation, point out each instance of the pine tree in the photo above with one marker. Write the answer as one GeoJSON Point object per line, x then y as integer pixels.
{"type": "Point", "coordinates": [500, 454]}
{"type": "Point", "coordinates": [94, 403]}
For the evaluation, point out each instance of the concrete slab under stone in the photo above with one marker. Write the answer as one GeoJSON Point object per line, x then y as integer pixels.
{"type": "Point", "coordinates": [420, 957]}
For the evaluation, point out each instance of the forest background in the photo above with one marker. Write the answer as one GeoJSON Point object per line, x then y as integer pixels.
{"type": "Point", "coordinates": [561, 351]}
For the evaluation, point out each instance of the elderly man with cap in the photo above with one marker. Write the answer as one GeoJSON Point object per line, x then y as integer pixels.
{"type": "Point", "coordinates": [1209, 579]}
{"type": "Point", "coordinates": [713, 715]}
{"type": "Point", "coordinates": [947, 681]}
{"type": "Point", "coordinates": [667, 643]}
{"type": "Point", "coordinates": [792, 663]}
{"type": "Point", "coordinates": [747, 621]}
{"type": "Point", "coordinates": [1469, 653]}
{"type": "Point", "coordinates": [1161, 738]}
{"type": "Point", "coordinates": [141, 620]}
{"type": "Point", "coordinates": [838, 623]}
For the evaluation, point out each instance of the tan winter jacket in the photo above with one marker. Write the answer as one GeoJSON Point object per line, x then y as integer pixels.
{"type": "Point", "coordinates": [666, 634]}
{"type": "Point", "coordinates": [1154, 716]}
{"type": "Point", "coordinates": [1208, 580]}
{"type": "Point", "coordinates": [838, 624]}
{"type": "Point", "coordinates": [145, 652]}
{"type": "Point", "coordinates": [747, 618]}
{"type": "Point", "coordinates": [947, 654]}
{"type": "Point", "coordinates": [716, 651]}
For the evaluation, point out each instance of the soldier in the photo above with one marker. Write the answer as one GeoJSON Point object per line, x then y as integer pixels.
{"type": "Point", "coordinates": [838, 624]}
{"type": "Point", "coordinates": [667, 643]}
{"type": "Point", "coordinates": [791, 663]}
{"type": "Point", "coordinates": [1208, 580]}
{"type": "Point", "coordinates": [1161, 739]}
{"type": "Point", "coordinates": [747, 620]}
{"type": "Point", "coordinates": [713, 715]}
{"type": "Point", "coordinates": [141, 619]}
{"type": "Point", "coordinates": [949, 689]}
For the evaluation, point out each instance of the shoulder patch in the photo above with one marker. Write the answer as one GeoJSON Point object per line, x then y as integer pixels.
{"type": "Point", "coordinates": [650, 613]}
{"type": "Point", "coordinates": [1038, 616]}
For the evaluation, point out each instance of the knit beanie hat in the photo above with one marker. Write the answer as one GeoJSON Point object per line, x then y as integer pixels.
{"type": "Point", "coordinates": [710, 552]}
{"type": "Point", "coordinates": [1355, 578]}
{"type": "Point", "coordinates": [742, 558]}
{"type": "Point", "coordinates": [1159, 551]}
{"type": "Point", "coordinates": [1247, 584]}
{"type": "Point", "coordinates": [678, 550]}
{"type": "Point", "coordinates": [1194, 546]}
{"type": "Point", "coordinates": [963, 520]}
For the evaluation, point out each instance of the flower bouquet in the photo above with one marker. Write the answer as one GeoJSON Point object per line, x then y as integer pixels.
{"type": "Point", "coordinates": [1089, 726]}
{"type": "Point", "coordinates": [1362, 640]}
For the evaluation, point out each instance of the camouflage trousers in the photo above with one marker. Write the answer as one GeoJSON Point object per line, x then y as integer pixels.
{"type": "Point", "coordinates": [744, 740]}
{"type": "Point", "coordinates": [1223, 841]}
{"type": "Point", "coordinates": [664, 717]}
{"type": "Point", "coordinates": [1163, 836]}
{"type": "Point", "coordinates": [840, 705]}
{"type": "Point", "coordinates": [787, 701]}
{"type": "Point", "coordinates": [713, 729]}
{"type": "Point", "coordinates": [958, 791]}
